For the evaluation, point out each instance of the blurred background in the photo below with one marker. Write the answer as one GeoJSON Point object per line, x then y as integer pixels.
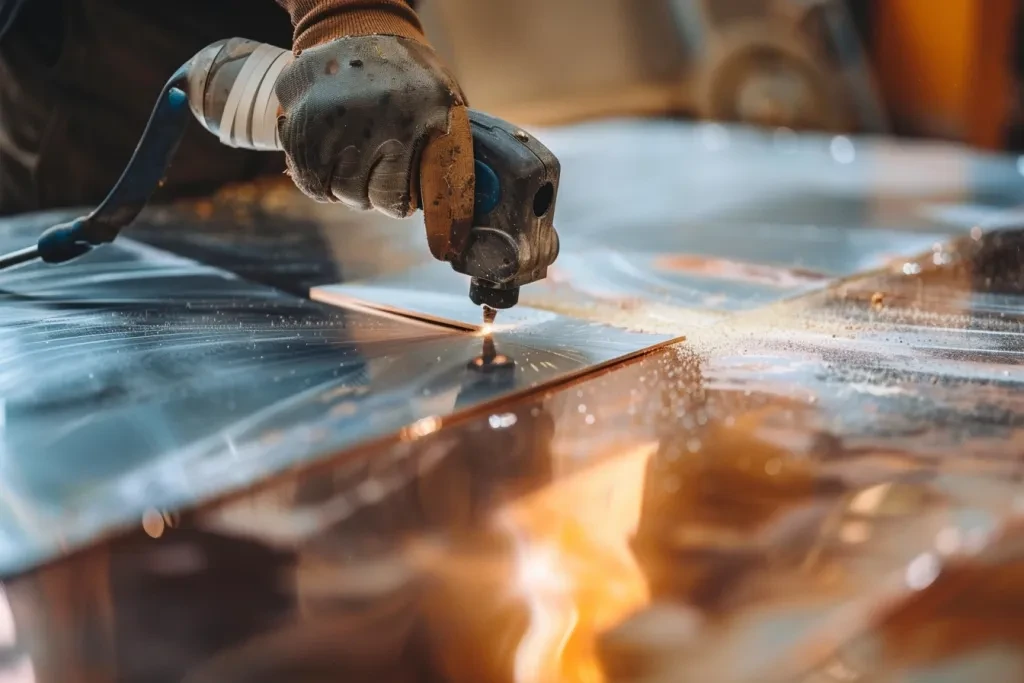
{"type": "Point", "coordinates": [946, 69]}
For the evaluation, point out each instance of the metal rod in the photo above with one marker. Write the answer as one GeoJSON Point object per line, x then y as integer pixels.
{"type": "Point", "coordinates": [17, 258]}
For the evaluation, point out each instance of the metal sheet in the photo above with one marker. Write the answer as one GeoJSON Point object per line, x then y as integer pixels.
{"type": "Point", "coordinates": [429, 293]}
{"type": "Point", "coordinates": [201, 382]}
{"type": "Point", "coordinates": [815, 483]}
{"type": "Point", "coordinates": [831, 488]}
{"type": "Point", "coordinates": [134, 379]}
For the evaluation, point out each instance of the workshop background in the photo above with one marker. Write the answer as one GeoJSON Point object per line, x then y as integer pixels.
{"type": "Point", "coordinates": [947, 69]}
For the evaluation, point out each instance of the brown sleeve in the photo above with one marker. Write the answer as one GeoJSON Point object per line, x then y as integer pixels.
{"type": "Point", "coordinates": [319, 21]}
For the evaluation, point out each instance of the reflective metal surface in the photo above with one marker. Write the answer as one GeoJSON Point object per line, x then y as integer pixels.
{"type": "Point", "coordinates": [134, 379]}
{"type": "Point", "coordinates": [824, 486]}
{"type": "Point", "coordinates": [828, 492]}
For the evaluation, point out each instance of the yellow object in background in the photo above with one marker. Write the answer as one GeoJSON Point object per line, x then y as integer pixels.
{"type": "Point", "coordinates": [945, 69]}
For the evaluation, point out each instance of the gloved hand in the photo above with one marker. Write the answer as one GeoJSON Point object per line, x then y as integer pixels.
{"type": "Point", "coordinates": [376, 121]}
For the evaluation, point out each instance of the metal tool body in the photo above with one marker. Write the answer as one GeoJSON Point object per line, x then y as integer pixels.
{"type": "Point", "coordinates": [230, 88]}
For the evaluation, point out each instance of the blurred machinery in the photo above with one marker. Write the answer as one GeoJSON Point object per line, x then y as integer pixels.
{"type": "Point", "coordinates": [792, 63]}
{"type": "Point", "coordinates": [910, 67]}
{"type": "Point", "coordinates": [797, 64]}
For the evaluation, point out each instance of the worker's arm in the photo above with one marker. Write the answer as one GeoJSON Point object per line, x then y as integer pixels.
{"type": "Point", "coordinates": [319, 21]}
{"type": "Point", "coordinates": [371, 117]}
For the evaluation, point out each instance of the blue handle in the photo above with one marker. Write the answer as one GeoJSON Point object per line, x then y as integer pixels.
{"type": "Point", "coordinates": [139, 180]}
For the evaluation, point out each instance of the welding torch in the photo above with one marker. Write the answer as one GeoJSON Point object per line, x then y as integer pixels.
{"type": "Point", "coordinates": [229, 87]}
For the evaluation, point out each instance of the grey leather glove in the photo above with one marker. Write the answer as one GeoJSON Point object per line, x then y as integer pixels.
{"type": "Point", "coordinates": [369, 121]}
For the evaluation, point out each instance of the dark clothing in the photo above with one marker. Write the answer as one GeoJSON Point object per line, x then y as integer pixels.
{"type": "Point", "coordinates": [78, 79]}
{"type": "Point", "coordinates": [331, 14]}
{"type": "Point", "coordinates": [8, 11]}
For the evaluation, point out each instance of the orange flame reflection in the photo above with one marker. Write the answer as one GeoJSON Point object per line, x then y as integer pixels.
{"type": "Point", "coordinates": [574, 568]}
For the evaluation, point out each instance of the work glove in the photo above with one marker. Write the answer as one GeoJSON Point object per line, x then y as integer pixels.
{"type": "Point", "coordinates": [374, 120]}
